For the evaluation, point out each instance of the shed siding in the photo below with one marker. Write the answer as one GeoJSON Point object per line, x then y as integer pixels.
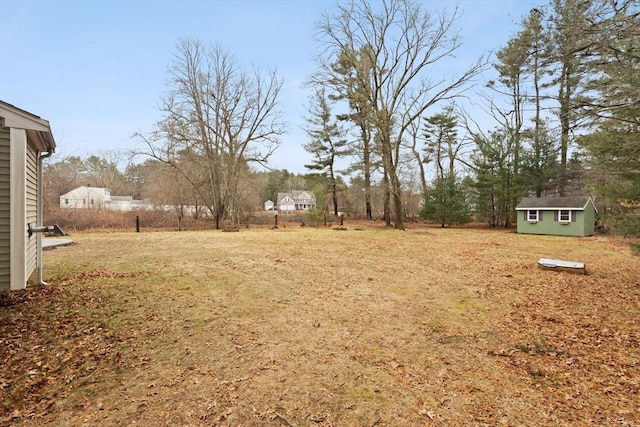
{"type": "Point", "coordinates": [589, 221]}
{"type": "Point", "coordinates": [548, 224]}
{"type": "Point", "coordinates": [5, 208]}
{"type": "Point", "coordinates": [31, 188]}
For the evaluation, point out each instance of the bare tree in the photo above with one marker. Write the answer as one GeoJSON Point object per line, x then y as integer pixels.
{"type": "Point", "coordinates": [166, 187]}
{"type": "Point", "coordinates": [61, 175]}
{"type": "Point", "coordinates": [219, 117]}
{"type": "Point", "coordinates": [403, 42]}
{"type": "Point", "coordinates": [102, 171]}
{"type": "Point", "coordinates": [421, 158]}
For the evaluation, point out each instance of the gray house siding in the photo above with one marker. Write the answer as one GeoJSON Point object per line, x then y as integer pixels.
{"type": "Point", "coordinates": [31, 188]}
{"type": "Point", "coordinates": [23, 136]}
{"type": "Point", "coordinates": [5, 208]}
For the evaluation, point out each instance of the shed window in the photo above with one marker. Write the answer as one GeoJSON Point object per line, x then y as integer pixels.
{"type": "Point", "coordinates": [66, 201]}
{"type": "Point", "coordinates": [564, 216]}
{"type": "Point", "coordinates": [532, 215]}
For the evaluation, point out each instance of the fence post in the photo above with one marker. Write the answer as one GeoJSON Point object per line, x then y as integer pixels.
{"type": "Point", "coordinates": [137, 224]}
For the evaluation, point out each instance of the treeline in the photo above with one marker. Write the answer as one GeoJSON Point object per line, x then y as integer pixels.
{"type": "Point", "coordinates": [560, 117]}
{"type": "Point", "coordinates": [391, 131]}
{"type": "Point", "coordinates": [163, 185]}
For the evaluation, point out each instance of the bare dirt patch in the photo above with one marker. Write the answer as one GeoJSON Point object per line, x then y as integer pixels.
{"type": "Point", "coordinates": [306, 326]}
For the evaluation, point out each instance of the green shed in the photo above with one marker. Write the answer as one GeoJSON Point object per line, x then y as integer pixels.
{"type": "Point", "coordinates": [561, 216]}
{"type": "Point", "coordinates": [25, 140]}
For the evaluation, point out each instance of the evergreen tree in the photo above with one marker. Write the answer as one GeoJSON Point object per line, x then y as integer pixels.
{"type": "Point", "coordinates": [570, 50]}
{"type": "Point", "coordinates": [540, 160]}
{"type": "Point", "coordinates": [351, 73]}
{"type": "Point", "coordinates": [522, 68]}
{"type": "Point", "coordinates": [613, 148]}
{"type": "Point", "coordinates": [445, 202]}
{"type": "Point", "coordinates": [327, 144]}
{"type": "Point", "coordinates": [497, 185]}
{"type": "Point", "coordinates": [276, 183]}
{"type": "Point", "coordinates": [441, 141]}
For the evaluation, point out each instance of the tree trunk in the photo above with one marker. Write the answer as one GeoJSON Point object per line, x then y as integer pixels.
{"type": "Point", "coordinates": [366, 168]}
{"type": "Point", "coordinates": [387, 200]}
{"type": "Point", "coordinates": [396, 194]}
{"type": "Point", "coordinates": [565, 97]}
{"type": "Point", "coordinates": [536, 135]}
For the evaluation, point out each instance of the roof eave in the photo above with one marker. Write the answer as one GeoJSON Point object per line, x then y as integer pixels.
{"type": "Point", "coordinates": [43, 140]}
{"type": "Point", "coordinates": [590, 200]}
{"type": "Point", "coordinates": [38, 129]}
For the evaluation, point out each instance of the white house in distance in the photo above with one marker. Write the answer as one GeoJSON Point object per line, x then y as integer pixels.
{"type": "Point", "coordinates": [25, 140]}
{"type": "Point", "coordinates": [296, 200]}
{"type": "Point", "coordinates": [286, 202]}
{"type": "Point", "coordinates": [99, 198]}
{"type": "Point", "coordinates": [85, 197]}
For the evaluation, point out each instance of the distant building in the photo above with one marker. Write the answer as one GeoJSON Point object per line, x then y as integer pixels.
{"type": "Point", "coordinates": [296, 200]}
{"type": "Point", "coordinates": [286, 202]}
{"type": "Point", "coordinates": [85, 197]}
{"type": "Point", "coordinates": [268, 205]}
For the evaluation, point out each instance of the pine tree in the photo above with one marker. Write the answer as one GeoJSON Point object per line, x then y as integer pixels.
{"type": "Point", "coordinates": [497, 185]}
{"type": "Point", "coordinates": [540, 160]}
{"type": "Point", "coordinates": [441, 141]}
{"type": "Point", "coordinates": [613, 148]}
{"type": "Point", "coordinates": [351, 73]}
{"type": "Point", "coordinates": [570, 50]}
{"type": "Point", "coordinates": [328, 143]}
{"type": "Point", "coordinates": [445, 202]}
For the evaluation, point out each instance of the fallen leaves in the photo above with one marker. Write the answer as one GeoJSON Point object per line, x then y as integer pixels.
{"type": "Point", "coordinates": [62, 344]}
{"type": "Point", "coordinates": [213, 332]}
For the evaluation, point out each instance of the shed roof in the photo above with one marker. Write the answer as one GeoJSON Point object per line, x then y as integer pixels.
{"type": "Point", "coordinates": [551, 203]}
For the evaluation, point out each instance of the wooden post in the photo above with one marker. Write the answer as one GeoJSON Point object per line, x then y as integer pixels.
{"type": "Point", "coordinates": [276, 221]}
{"type": "Point", "coordinates": [137, 224]}
{"type": "Point", "coordinates": [341, 220]}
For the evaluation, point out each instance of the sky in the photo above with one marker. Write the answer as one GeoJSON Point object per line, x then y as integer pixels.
{"type": "Point", "coordinates": [97, 70]}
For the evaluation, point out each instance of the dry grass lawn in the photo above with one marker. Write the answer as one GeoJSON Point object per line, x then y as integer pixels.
{"type": "Point", "coordinates": [318, 327]}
